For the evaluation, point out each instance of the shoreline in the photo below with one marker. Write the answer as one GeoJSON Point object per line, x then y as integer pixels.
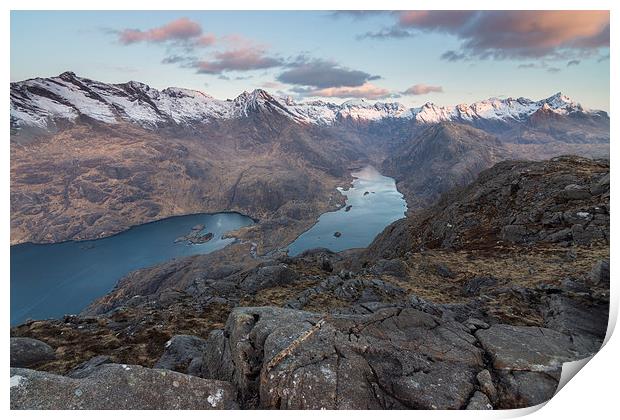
{"type": "Point", "coordinates": [254, 220]}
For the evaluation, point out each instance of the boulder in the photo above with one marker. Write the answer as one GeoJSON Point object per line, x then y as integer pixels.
{"type": "Point", "coordinates": [269, 276]}
{"type": "Point", "coordinates": [396, 268]}
{"type": "Point", "coordinates": [183, 353]}
{"type": "Point", "coordinates": [526, 348]}
{"type": "Point", "coordinates": [118, 387]}
{"type": "Point", "coordinates": [599, 273]}
{"type": "Point", "coordinates": [601, 186]}
{"type": "Point", "coordinates": [28, 352]}
{"type": "Point", "coordinates": [574, 192]}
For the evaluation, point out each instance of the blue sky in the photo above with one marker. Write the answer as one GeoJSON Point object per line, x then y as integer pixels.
{"type": "Point", "coordinates": [411, 57]}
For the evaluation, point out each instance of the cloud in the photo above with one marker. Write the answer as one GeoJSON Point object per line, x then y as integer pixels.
{"type": "Point", "coordinates": [181, 29]}
{"type": "Point", "coordinates": [435, 20]}
{"type": "Point", "coordinates": [387, 33]}
{"type": "Point", "coordinates": [422, 89]}
{"type": "Point", "coordinates": [321, 74]}
{"type": "Point", "coordinates": [358, 14]}
{"type": "Point", "coordinates": [367, 91]}
{"type": "Point", "coordinates": [527, 66]}
{"type": "Point", "coordinates": [272, 85]}
{"type": "Point", "coordinates": [240, 59]}
{"type": "Point", "coordinates": [603, 58]}
{"type": "Point", "coordinates": [553, 70]}
{"type": "Point", "coordinates": [573, 63]}
{"type": "Point", "coordinates": [514, 34]}
{"type": "Point", "coordinates": [453, 56]}
{"type": "Point", "coordinates": [206, 40]}
{"type": "Point", "coordinates": [176, 59]}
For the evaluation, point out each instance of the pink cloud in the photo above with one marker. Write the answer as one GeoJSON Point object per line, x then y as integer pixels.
{"type": "Point", "coordinates": [422, 89]}
{"type": "Point", "coordinates": [177, 30]}
{"type": "Point", "coordinates": [506, 34]}
{"type": "Point", "coordinates": [367, 90]}
{"type": "Point", "coordinates": [272, 85]}
{"type": "Point", "coordinates": [433, 19]}
{"type": "Point", "coordinates": [241, 59]}
{"type": "Point", "coordinates": [207, 40]}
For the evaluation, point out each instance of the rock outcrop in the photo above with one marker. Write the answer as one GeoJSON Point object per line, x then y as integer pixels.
{"type": "Point", "coordinates": [28, 352]}
{"type": "Point", "coordinates": [183, 353]}
{"type": "Point", "coordinates": [118, 387]}
{"type": "Point", "coordinates": [394, 358]}
{"type": "Point", "coordinates": [564, 201]}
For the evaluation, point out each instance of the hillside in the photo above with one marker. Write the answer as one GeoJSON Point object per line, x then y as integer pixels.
{"type": "Point", "coordinates": [480, 299]}
{"type": "Point", "coordinates": [90, 159]}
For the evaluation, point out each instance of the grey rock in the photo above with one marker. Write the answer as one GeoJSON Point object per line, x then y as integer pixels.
{"type": "Point", "coordinates": [479, 401]}
{"type": "Point", "coordinates": [392, 358]}
{"type": "Point", "coordinates": [514, 233]}
{"type": "Point", "coordinates": [585, 321]}
{"type": "Point", "coordinates": [585, 235]}
{"type": "Point", "coordinates": [396, 268]}
{"type": "Point", "coordinates": [601, 186]}
{"type": "Point", "coordinates": [183, 353]}
{"type": "Point", "coordinates": [526, 348]}
{"type": "Point", "coordinates": [444, 271]}
{"type": "Point", "coordinates": [362, 290]}
{"type": "Point", "coordinates": [269, 276]}
{"type": "Point", "coordinates": [88, 367]}
{"type": "Point", "coordinates": [600, 273]}
{"type": "Point", "coordinates": [326, 264]}
{"type": "Point", "coordinates": [118, 387]}
{"type": "Point", "coordinates": [574, 192]}
{"type": "Point", "coordinates": [28, 352]}
{"type": "Point", "coordinates": [217, 362]}
{"type": "Point", "coordinates": [475, 285]}
{"type": "Point", "coordinates": [474, 324]}
{"type": "Point", "coordinates": [559, 236]}
{"type": "Point", "coordinates": [525, 389]}
{"type": "Point", "coordinates": [486, 384]}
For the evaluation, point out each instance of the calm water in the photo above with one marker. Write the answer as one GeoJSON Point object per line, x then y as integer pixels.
{"type": "Point", "coordinates": [369, 214]}
{"type": "Point", "coordinates": [48, 281]}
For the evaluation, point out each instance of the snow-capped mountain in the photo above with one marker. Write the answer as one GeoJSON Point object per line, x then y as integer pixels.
{"type": "Point", "coordinates": [43, 103]}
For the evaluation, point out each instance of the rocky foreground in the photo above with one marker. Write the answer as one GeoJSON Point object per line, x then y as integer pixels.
{"type": "Point", "coordinates": [474, 303]}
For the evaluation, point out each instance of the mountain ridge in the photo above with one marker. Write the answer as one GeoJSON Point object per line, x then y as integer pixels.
{"type": "Point", "coordinates": [42, 103]}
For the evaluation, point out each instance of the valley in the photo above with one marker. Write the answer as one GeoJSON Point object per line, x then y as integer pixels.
{"type": "Point", "coordinates": [89, 159]}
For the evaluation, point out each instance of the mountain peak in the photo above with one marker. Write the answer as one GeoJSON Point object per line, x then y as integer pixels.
{"type": "Point", "coordinates": [257, 95]}
{"type": "Point", "coordinates": [355, 102]}
{"type": "Point", "coordinates": [67, 75]}
{"type": "Point", "coordinates": [138, 85]}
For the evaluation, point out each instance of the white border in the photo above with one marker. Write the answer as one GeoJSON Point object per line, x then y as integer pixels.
{"type": "Point", "coordinates": [592, 395]}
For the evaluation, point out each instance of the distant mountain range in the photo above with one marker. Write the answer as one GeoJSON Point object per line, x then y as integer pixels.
{"type": "Point", "coordinates": [47, 103]}
{"type": "Point", "coordinates": [89, 159]}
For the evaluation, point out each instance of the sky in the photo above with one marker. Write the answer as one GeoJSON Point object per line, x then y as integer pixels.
{"type": "Point", "coordinates": [412, 57]}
